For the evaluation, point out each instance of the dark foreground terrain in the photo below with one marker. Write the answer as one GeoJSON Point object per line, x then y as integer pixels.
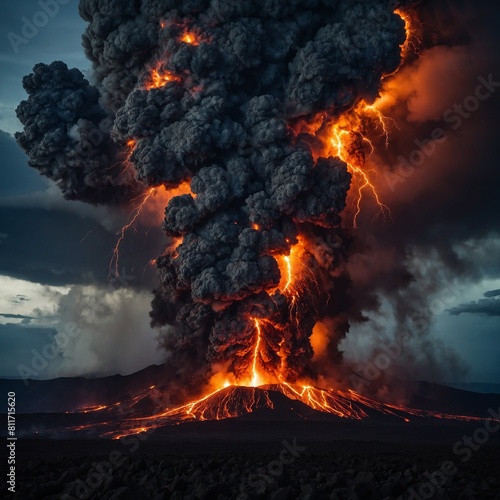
{"type": "Point", "coordinates": [276, 460]}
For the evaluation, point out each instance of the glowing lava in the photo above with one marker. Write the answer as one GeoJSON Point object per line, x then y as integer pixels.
{"type": "Point", "coordinates": [158, 79]}
{"type": "Point", "coordinates": [190, 38]}
{"type": "Point", "coordinates": [346, 137]}
{"type": "Point", "coordinates": [117, 420]}
{"type": "Point", "coordinates": [256, 378]}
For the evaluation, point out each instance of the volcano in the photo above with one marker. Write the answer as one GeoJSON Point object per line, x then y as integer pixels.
{"type": "Point", "coordinates": [278, 402]}
{"type": "Point", "coordinates": [135, 407]}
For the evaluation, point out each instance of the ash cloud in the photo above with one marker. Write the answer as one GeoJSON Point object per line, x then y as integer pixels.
{"type": "Point", "coordinates": [66, 136]}
{"type": "Point", "coordinates": [221, 119]}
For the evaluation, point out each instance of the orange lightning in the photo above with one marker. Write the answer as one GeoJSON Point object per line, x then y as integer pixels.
{"type": "Point", "coordinates": [134, 216]}
{"type": "Point", "coordinates": [383, 121]}
{"type": "Point", "coordinates": [338, 141]}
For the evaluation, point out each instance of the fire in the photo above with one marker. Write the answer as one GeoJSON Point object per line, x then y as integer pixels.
{"type": "Point", "coordinates": [190, 38]}
{"type": "Point", "coordinates": [345, 136]}
{"type": "Point", "coordinates": [289, 275]}
{"type": "Point", "coordinates": [158, 79]}
{"type": "Point", "coordinates": [256, 377]}
{"type": "Point", "coordinates": [233, 401]}
{"type": "Point", "coordinates": [412, 42]}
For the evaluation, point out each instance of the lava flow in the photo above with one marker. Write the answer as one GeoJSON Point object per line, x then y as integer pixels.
{"type": "Point", "coordinates": [298, 401]}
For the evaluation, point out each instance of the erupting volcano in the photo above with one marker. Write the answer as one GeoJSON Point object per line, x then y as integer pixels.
{"type": "Point", "coordinates": [252, 124]}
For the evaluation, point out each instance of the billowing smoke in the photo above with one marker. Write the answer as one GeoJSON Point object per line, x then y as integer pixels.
{"type": "Point", "coordinates": [208, 92]}
{"type": "Point", "coordinates": [67, 136]}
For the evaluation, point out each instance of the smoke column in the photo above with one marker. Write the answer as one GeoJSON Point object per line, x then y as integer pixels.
{"type": "Point", "coordinates": [213, 95]}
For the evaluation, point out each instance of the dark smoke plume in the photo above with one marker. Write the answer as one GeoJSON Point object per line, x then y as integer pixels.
{"type": "Point", "coordinates": [221, 119]}
{"type": "Point", "coordinates": [67, 136]}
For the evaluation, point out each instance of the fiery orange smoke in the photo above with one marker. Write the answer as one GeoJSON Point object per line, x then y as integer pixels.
{"type": "Point", "coordinates": [158, 78]}
{"type": "Point", "coordinates": [190, 38]}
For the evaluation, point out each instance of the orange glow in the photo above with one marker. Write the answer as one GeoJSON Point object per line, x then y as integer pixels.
{"type": "Point", "coordinates": [158, 79]}
{"type": "Point", "coordinates": [345, 136]}
{"type": "Point", "coordinates": [412, 42]}
{"type": "Point", "coordinates": [231, 401]}
{"type": "Point", "coordinates": [288, 274]}
{"type": "Point", "coordinates": [345, 144]}
{"type": "Point", "coordinates": [190, 38]}
{"type": "Point", "coordinates": [256, 377]}
{"type": "Point", "coordinates": [319, 339]}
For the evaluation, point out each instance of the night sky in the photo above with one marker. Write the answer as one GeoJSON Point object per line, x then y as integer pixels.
{"type": "Point", "coordinates": [54, 253]}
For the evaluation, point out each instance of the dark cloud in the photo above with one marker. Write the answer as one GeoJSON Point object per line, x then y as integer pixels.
{"type": "Point", "coordinates": [483, 307]}
{"type": "Point", "coordinates": [60, 248]}
{"type": "Point", "coordinates": [44, 46]}
{"type": "Point", "coordinates": [67, 137]}
{"type": "Point", "coordinates": [492, 293]}
{"type": "Point", "coordinates": [16, 316]}
{"type": "Point", "coordinates": [220, 119]}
